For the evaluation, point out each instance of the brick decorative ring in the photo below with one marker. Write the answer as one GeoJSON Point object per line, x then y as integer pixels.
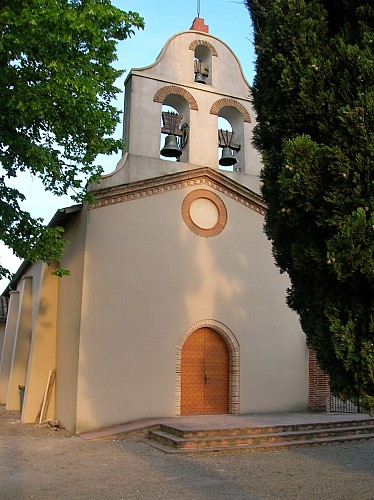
{"type": "Point", "coordinates": [217, 217]}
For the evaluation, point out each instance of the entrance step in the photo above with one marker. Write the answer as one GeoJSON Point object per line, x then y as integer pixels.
{"type": "Point", "coordinates": [176, 440]}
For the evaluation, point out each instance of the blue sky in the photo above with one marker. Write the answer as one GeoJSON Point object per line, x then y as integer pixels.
{"type": "Point", "coordinates": [227, 19]}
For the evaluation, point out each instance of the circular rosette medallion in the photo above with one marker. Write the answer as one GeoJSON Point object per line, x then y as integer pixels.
{"type": "Point", "coordinates": [204, 213]}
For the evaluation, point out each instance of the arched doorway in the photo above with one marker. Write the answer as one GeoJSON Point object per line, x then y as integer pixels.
{"type": "Point", "coordinates": [205, 373]}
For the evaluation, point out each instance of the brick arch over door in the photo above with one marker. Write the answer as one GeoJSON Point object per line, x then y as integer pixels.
{"type": "Point", "coordinates": [221, 103]}
{"type": "Point", "coordinates": [173, 89]}
{"type": "Point", "coordinates": [233, 347]}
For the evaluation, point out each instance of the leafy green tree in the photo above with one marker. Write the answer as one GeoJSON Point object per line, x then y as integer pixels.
{"type": "Point", "coordinates": [56, 89]}
{"type": "Point", "coordinates": [314, 96]}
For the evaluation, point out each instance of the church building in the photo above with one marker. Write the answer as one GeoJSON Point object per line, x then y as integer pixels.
{"type": "Point", "coordinates": [174, 305]}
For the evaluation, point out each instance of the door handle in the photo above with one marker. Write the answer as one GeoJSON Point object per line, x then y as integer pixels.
{"type": "Point", "coordinates": [205, 378]}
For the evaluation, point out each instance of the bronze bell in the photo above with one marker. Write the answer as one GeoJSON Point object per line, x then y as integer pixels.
{"type": "Point", "coordinates": [171, 148]}
{"type": "Point", "coordinates": [199, 78]}
{"type": "Point", "coordinates": [227, 159]}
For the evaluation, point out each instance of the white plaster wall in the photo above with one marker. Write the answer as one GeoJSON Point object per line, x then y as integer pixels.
{"type": "Point", "coordinates": [21, 322]}
{"type": "Point", "coordinates": [29, 352]}
{"type": "Point", "coordinates": [42, 357]}
{"type": "Point", "coordinates": [148, 278]}
{"type": "Point", "coordinates": [68, 327]}
{"type": "Point", "coordinates": [142, 115]}
{"type": "Point", "coordinates": [176, 62]}
{"type": "Point", "coordinates": [8, 345]}
{"type": "Point", "coordinates": [22, 341]}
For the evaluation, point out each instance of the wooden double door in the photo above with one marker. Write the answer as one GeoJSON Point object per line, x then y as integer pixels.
{"type": "Point", "coordinates": [205, 372]}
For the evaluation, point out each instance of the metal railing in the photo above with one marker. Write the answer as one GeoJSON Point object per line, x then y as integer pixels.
{"type": "Point", "coordinates": [339, 406]}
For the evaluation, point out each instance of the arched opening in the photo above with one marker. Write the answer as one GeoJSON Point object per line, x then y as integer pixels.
{"type": "Point", "coordinates": [205, 372]}
{"type": "Point", "coordinates": [230, 139]}
{"type": "Point", "coordinates": [202, 65]}
{"type": "Point", "coordinates": [233, 347]}
{"type": "Point", "coordinates": [174, 128]}
{"type": "Point", "coordinates": [225, 129]}
{"type": "Point", "coordinates": [170, 126]}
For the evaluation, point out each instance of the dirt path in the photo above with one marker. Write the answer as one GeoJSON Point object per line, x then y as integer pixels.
{"type": "Point", "coordinates": [42, 463]}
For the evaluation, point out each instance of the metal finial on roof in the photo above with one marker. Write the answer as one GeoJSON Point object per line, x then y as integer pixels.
{"type": "Point", "coordinates": [198, 8]}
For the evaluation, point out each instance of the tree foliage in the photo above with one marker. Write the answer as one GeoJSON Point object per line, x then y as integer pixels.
{"type": "Point", "coordinates": [314, 96]}
{"type": "Point", "coordinates": [56, 89]}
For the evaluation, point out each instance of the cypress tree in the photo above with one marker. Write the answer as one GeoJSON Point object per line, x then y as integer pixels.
{"type": "Point", "coordinates": [314, 97]}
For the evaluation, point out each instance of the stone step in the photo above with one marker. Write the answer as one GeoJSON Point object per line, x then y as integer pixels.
{"type": "Point", "coordinates": [176, 439]}
{"type": "Point", "coordinates": [243, 438]}
{"type": "Point", "coordinates": [266, 429]}
{"type": "Point", "coordinates": [261, 447]}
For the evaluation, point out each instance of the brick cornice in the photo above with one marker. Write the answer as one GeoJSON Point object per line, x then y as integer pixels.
{"type": "Point", "coordinates": [200, 177]}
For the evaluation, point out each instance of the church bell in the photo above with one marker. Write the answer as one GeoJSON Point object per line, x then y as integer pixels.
{"type": "Point", "coordinates": [200, 78]}
{"type": "Point", "coordinates": [227, 159]}
{"type": "Point", "coordinates": [171, 148]}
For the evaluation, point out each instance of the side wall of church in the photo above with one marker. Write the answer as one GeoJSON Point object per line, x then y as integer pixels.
{"type": "Point", "coordinates": [69, 320]}
{"type": "Point", "coordinates": [29, 348]}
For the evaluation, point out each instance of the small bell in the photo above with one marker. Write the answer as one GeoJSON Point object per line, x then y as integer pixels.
{"type": "Point", "coordinates": [227, 159]}
{"type": "Point", "coordinates": [171, 148]}
{"type": "Point", "coordinates": [200, 78]}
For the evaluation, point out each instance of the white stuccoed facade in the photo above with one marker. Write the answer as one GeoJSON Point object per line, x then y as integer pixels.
{"type": "Point", "coordinates": [169, 248]}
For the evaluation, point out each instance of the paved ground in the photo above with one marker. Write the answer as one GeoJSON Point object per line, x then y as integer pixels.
{"type": "Point", "coordinates": [44, 464]}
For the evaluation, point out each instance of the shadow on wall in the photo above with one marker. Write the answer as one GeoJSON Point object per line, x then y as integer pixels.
{"type": "Point", "coordinates": [148, 278]}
